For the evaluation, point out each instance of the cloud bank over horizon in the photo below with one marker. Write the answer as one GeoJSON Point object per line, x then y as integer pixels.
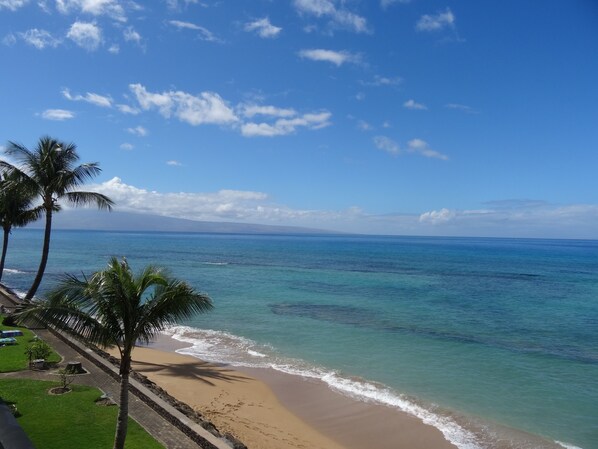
{"type": "Point", "coordinates": [506, 218]}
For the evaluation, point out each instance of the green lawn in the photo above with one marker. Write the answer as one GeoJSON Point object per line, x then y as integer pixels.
{"type": "Point", "coordinates": [71, 420]}
{"type": "Point", "coordinates": [13, 358]}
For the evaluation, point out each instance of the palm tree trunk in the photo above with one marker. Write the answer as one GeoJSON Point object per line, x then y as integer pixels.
{"type": "Point", "coordinates": [45, 253]}
{"type": "Point", "coordinates": [4, 248]}
{"type": "Point", "coordinates": [122, 420]}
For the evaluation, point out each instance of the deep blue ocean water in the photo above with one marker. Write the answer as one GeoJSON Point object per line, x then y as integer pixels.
{"type": "Point", "coordinates": [470, 334]}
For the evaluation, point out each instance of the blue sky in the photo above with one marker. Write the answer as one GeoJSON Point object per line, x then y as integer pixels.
{"type": "Point", "coordinates": [392, 117]}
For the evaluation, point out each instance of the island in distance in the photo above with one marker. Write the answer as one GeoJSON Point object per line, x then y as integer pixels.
{"type": "Point", "coordinates": [94, 220]}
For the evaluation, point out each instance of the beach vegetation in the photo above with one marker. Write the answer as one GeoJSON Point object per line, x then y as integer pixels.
{"type": "Point", "coordinates": [72, 420]}
{"type": "Point", "coordinates": [51, 172]}
{"type": "Point", "coordinates": [16, 209]}
{"type": "Point", "coordinates": [116, 307]}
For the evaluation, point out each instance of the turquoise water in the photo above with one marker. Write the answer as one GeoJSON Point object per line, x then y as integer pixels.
{"type": "Point", "coordinates": [469, 334]}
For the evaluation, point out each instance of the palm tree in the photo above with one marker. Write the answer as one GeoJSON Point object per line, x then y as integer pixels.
{"type": "Point", "coordinates": [15, 210]}
{"type": "Point", "coordinates": [51, 173]}
{"type": "Point", "coordinates": [116, 307]}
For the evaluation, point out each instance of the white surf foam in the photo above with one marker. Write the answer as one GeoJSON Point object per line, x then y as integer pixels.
{"type": "Point", "coordinates": [13, 271]}
{"type": "Point", "coordinates": [567, 445]}
{"type": "Point", "coordinates": [223, 347]}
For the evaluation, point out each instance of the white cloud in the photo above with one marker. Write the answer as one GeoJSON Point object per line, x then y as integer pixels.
{"type": "Point", "coordinates": [12, 5]}
{"type": "Point", "coordinates": [384, 81]}
{"type": "Point", "coordinates": [90, 97]}
{"type": "Point", "coordinates": [335, 57]}
{"type": "Point", "coordinates": [40, 39]}
{"type": "Point", "coordinates": [387, 144]}
{"type": "Point", "coordinates": [416, 146]}
{"type": "Point", "coordinates": [421, 147]}
{"type": "Point", "coordinates": [138, 131]}
{"type": "Point", "coordinates": [111, 8]}
{"type": "Point", "coordinates": [263, 28]}
{"type": "Point", "coordinates": [386, 3]}
{"type": "Point", "coordinates": [412, 104]}
{"type": "Point", "coordinates": [204, 33]}
{"type": "Point", "coordinates": [57, 114]}
{"type": "Point", "coordinates": [126, 146]}
{"type": "Point", "coordinates": [86, 35]}
{"type": "Point", "coordinates": [285, 126]}
{"type": "Point", "coordinates": [205, 108]}
{"type": "Point", "coordinates": [114, 49]}
{"type": "Point", "coordinates": [130, 35]}
{"type": "Point", "coordinates": [436, 217]}
{"type": "Point", "coordinates": [436, 22]}
{"type": "Point", "coordinates": [339, 17]}
{"type": "Point", "coordinates": [174, 163]}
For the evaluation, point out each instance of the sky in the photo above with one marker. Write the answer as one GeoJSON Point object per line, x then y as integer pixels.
{"type": "Point", "coordinates": [406, 117]}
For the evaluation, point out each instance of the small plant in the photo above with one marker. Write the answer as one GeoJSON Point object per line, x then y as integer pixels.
{"type": "Point", "coordinates": [66, 378]}
{"type": "Point", "coordinates": [9, 320]}
{"type": "Point", "coordinates": [39, 349]}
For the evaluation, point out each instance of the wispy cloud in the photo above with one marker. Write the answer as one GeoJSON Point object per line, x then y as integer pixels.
{"type": "Point", "coordinates": [174, 163]}
{"type": "Point", "coordinates": [337, 58]}
{"type": "Point", "coordinates": [412, 104]}
{"type": "Point", "coordinates": [203, 33]}
{"type": "Point", "coordinates": [57, 114]}
{"type": "Point", "coordinates": [421, 147]}
{"type": "Point", "coordinates": [387, 144]}
{"type": "Point", "coordinates": [285, 126]}
{"type": "Point", "coordinates": [12, 5]}
{"type": "Point", "coordinates": [384, 81]}
{"type": "Point", "coordinates": [127, 146]}
{"type": "Point", "coordinates": [130, 35]}
{"type": "Point", "coordinates": [338, 16]}
{"type": "Point", "coordinates": [40, 39]}
{"type": "Point", "coordinates": [461, 107]}
{"type": "Point", "coordinates": [386, 3]}
{"type": "Point", "coordinates": [251, 110]}
{"type": "Point", "coordinates": [416, 146]}
{"type": "Point", "coordinates": [126, 109]}
{"type": "Point", "coordinates": [138, 131]}
{"type": "Point", "coordinates": [436, 22]}
{"type": "Point", "coordinates": [263, 28]}
{"type": "Point", "coordinates": [89, 97]}
{"type": "Point", "coordinates": [86, 35]}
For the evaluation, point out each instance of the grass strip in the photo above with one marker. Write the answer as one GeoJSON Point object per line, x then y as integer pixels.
{"type": "Point", "coordinates": [71, 420]}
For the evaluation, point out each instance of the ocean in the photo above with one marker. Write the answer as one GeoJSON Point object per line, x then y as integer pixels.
{"type": "Point", "coordinates": [493, 341]}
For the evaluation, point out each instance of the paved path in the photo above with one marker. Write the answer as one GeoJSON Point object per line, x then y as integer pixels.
{"type": "Point", "coordinates": [160, 428]}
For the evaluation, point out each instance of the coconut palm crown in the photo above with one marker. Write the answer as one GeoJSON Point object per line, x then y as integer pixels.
{"type": "Point", "coordinates": [51, 172]}
{"type": "Point", "coordinates": [114, 307]}
{"type": "Point", "coordinates": [16, 210]}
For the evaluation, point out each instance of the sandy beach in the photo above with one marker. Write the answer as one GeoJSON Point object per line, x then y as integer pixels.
{"type": "Point", "coordinates": [267, 409]}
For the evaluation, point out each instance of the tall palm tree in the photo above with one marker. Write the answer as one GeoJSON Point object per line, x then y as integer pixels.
{"type": "Point", "coordinates": [50, 172]}
{"type": "Point", "coordinates": [115, 307]}
{"type": "Point", "coordinates": [15, 210]}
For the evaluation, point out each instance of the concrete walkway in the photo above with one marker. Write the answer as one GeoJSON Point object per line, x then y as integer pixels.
{"type": "Point", "coordinates": [148, 417]}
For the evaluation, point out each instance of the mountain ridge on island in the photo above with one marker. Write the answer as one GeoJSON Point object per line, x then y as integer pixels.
{"type": "Point", "coordinates": [93, 220]}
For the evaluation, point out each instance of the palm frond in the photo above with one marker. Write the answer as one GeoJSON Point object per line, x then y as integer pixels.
{"type": "Point", "coordinates": [89, 198]}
